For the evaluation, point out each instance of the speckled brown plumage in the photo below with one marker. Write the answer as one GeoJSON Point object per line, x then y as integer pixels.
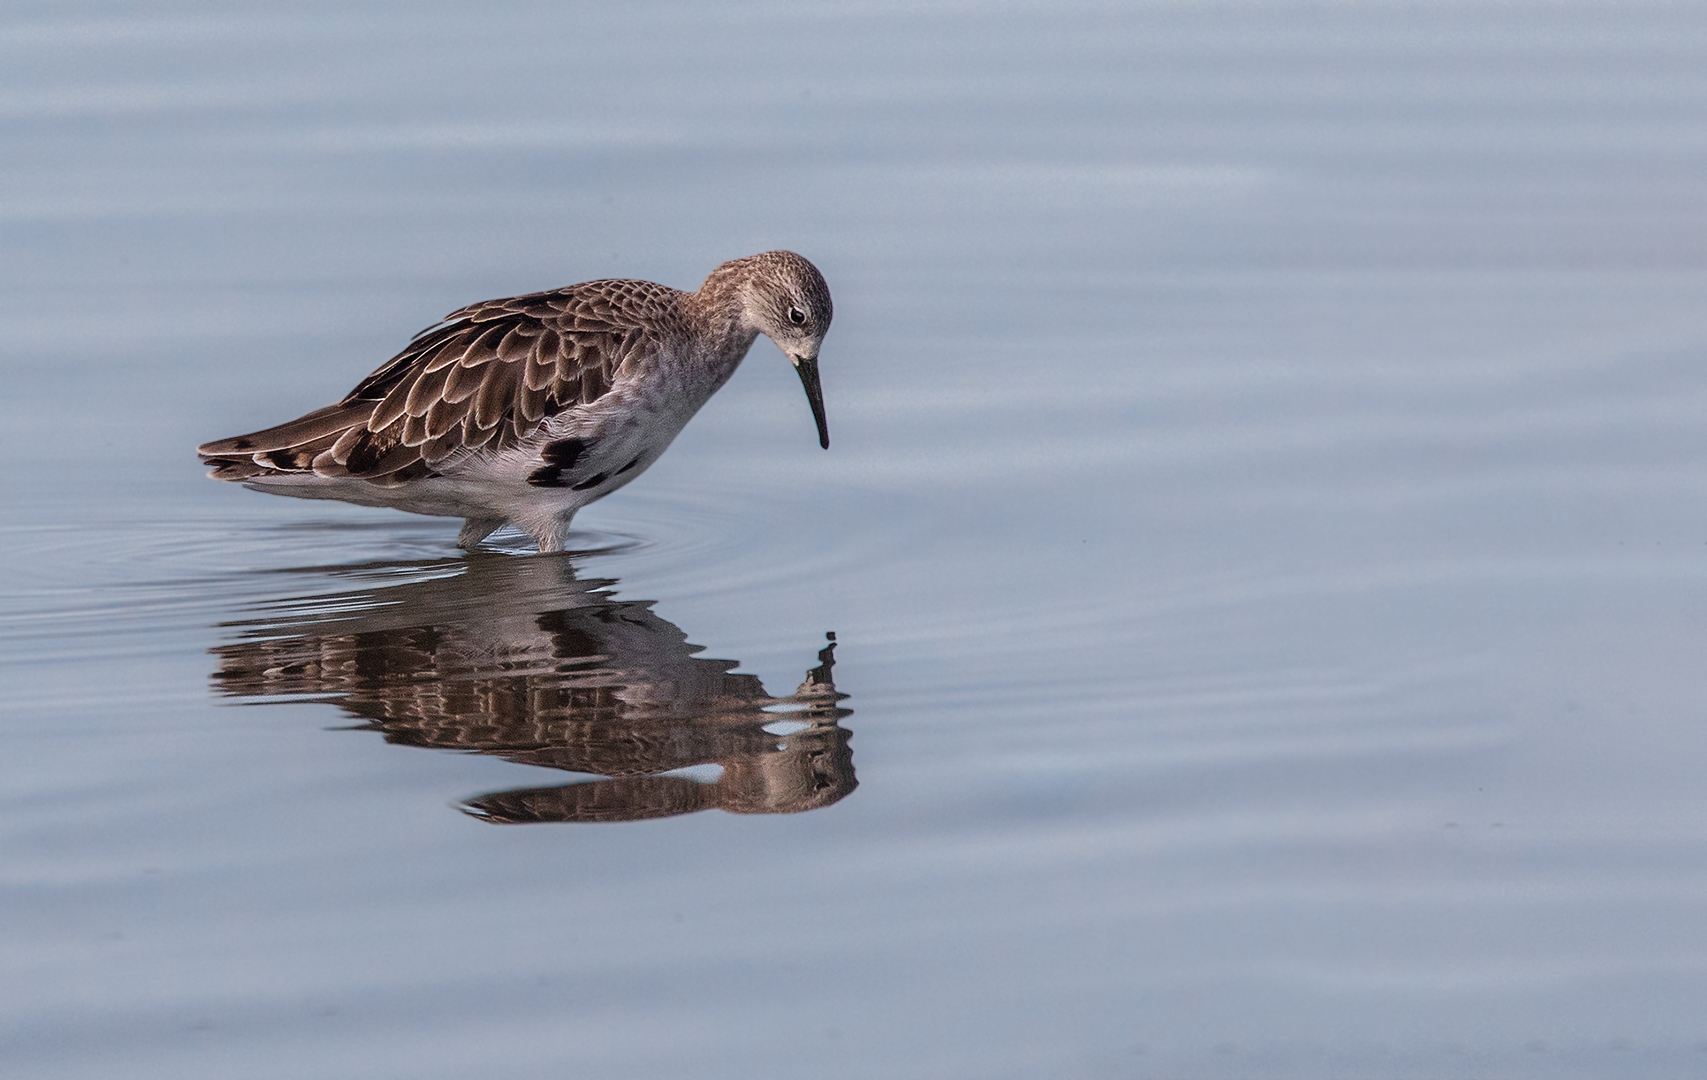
{"type": "Point", "coordinates": [485, 377]}
{"type": "Point", "coordinates": [461, 421]}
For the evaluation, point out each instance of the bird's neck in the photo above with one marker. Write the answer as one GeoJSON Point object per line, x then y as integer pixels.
{"type": "Point", "coordinates": [720, 314]}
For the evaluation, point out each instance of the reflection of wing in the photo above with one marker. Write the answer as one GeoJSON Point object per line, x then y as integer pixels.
{"type": "Point", "coordinates": [519, 659]}
{"type": "Point", "coordinates": [487, 376]}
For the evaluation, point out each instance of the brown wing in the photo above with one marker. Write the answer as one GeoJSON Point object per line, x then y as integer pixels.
{"type": "Point", "coordinates": [487, 376]}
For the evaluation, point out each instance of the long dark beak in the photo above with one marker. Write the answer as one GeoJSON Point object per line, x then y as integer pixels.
{"type": "Point", "coordinates": [807, 366]}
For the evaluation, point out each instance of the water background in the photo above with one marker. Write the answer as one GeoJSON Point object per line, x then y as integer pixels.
{"type": "Point", "coordinates": [1265, 534]}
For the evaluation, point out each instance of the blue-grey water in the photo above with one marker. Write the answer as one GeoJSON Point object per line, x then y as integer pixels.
{"type": "Point", "coordinates": [1264, 540]}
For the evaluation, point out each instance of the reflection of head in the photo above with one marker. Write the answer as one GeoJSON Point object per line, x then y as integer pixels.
{"type": "Point", "coordinates": [516, 658]}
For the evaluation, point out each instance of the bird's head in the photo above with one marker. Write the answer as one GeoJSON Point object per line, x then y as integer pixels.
{"type": "Point", "coordinates": [784, 297]}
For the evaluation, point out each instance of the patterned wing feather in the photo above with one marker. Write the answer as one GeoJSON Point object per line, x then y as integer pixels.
{"type": "Point", "coordinates": [487, 377]}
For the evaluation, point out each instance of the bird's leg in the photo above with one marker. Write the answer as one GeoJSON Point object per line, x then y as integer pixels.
{"type": "Point", "coordinates": [552, 535]}
{"type": "Point", "coordinates": [475, 530]}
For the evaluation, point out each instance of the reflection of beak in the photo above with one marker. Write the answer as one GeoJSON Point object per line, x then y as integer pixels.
{"type": "Point", "coordinates": [807, 366]}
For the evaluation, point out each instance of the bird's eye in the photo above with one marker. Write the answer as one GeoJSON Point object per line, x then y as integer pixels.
{"type": "Point", "coordinates": [796, 316]}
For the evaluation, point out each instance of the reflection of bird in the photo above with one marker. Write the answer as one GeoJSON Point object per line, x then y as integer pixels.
{"type": "Point", "coordinates": [519, 659]}
{"type": "Point", "coordinates": [522, 411]}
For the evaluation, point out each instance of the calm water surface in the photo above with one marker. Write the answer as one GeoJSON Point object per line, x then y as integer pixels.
{"type": "Point", "coordinates": [1250, 622]}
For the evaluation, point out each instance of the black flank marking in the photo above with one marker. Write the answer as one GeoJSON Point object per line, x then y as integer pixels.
{"type": "Point", "coordinates": [548, 476]}
{"type": "Point", "coordinates": [564, 452]}
{"type": "Point", "coordinates": [627, 467]}
{"type": "Point", "coordinates": [592, 481]}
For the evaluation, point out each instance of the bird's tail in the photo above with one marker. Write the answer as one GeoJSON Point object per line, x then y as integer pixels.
{"type": "Point", "coordinates": [287, 448]}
